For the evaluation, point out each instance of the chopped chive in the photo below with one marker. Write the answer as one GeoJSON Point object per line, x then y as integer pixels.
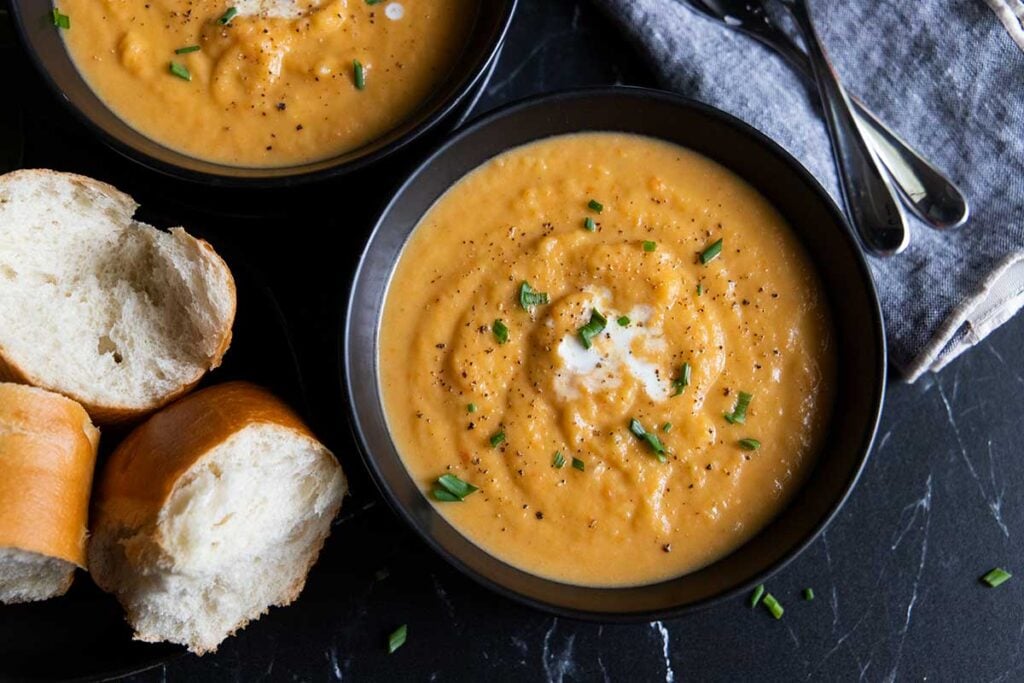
{"type": "Point", "coordinates": [226, 18]}
{"type": "Point", "coordinates": [471, 408]}
{"type": "Point", "coordinates": [497, 439]}
{"type": "Point", "coordinates": [700, 289]}
{"type": "Point", "coordinates": [712, 252]}
{"type": "Point", "coordinates": [500, 331]}
{"type": "Point", "coordinates": [180, 71]}
{"type": "Point", "coordinates": [755, 597]}
{"type": "Point", "coordinates": [185, 50]}
{"type": "Point", "coordinates": [595, 206]}
{"type": "Point", "coordinates": [649, 245]}
{"type": "Point", "coordinates": [667, 427]}
{"type": "Point", "coordinates": [558, 461]}
{"type": "Point", "coordinates": [651, 439]}
{"type": "Point", "coordinates": [61, 20]}
{"type": "Point", "coordinates": [579, 465]}
{"type": "Point", "coordinates": [374, 2]}
{"type": "Point", "coordinates": [592, 328]}
{"type": "Point", "coordinates": [739, 413]}
{"type": "Point", "coordinates": [528, 296]}
{"type": "Point", "coordinates": [397, 638]}
{"type": "Point", "coordinates": [808, 594]}
{"type": "Point", "coordinates": [623, 321]}
{"type": "Point", "coordinates": [454, 488]}
{"type": "Point", "coordinates": [749, 444]}
{"type": "Point", "coordinates": [683, 380]}
{"type": "Point", "coordinates": [996, 577]}
{"type": "Point", "coordinates": [773, 605]}
{"type": "Point", "coordinates": [358, 74]}
{"type": "Point", "coordinates": [589, 224]}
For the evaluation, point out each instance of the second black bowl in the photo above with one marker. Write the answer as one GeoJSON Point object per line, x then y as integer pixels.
{"type": "Point", "coordinates": [817, 222]}
{"type": "Point", "coordinates": [44, 44]}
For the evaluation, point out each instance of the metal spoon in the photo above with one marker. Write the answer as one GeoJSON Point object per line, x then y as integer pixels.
{"type": "Point", "coordinates": [933, 197]}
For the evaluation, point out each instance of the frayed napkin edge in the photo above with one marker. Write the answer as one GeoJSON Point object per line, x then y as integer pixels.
{"type": "Point", "coordinates": [973, 319]}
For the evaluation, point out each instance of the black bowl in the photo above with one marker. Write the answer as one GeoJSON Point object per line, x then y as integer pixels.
{"type": "Point", "coordinates": [817, 222]}
{"type": "Point", "coordinates": [46, 47]}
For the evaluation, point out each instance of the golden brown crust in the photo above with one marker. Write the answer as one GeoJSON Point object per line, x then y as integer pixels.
{"type": "Point", "coordinates": [47, 455]}
{"type": "Point", "coordinates": [142, 472]}
{"type": "Point", "coordinates": [105, 414]}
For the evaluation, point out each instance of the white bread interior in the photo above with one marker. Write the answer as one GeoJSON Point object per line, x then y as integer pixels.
{"type": "Point", "coordinates": [237, 535]}
{"type": "Point", "coordinates": [26, 576]}
{"type": "Point", "coordinates": [100, 307]}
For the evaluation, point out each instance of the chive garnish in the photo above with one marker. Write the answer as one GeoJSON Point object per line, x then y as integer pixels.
{"type": "Point", "coordinates": [374, 2]}
{"type": "Point", "coordinates": [650, 246]}
{"type": "Point", "coordinates": [739, 413]}
{"type": "Point", "coordinates": [358, 74]}
{"type": "Point", "coordinates": [497, 439]}
{"type": "Point", "coordinates": [589, 224]}
{"type": "Point", "coordinates": [749, 444]}
{"type": "Point", "coordinates": [996, 577]}
{"type": "Point", "coordinates": [471, 408]}
{"type": "Point", "coordinates": [623, 321]}
{"type": "Point", "coordinates": [773, 605]}
{"type": "Point", "coordinates": [712, 252]}
{"type": "Point", "coordinates": [558, 461]}
{"type": "Point", "coordinates": [61, 20]}
{"type": "Point", "coordinates": [651, 439]}
{"type": "Point", "coordinates": [592, 328]}
{"type": "Point", "coordinates": [500, 331]}
{"type": "Point", "coordinates": [451, 489]}
{"type": "Point", "coordinates": [700, 289]}
{"type": "Point", "coordinates": [397, 638]}
{"type": "Point", "coordinates": [808, 594]}
{"type": "Point", "coordinates": [756, 595]}
{"type": "Point", "coordinates": [185, 50]}
{"type": "Point", "coordinates": [226, 18]}
{"type": "Point", "coordinates": [528, 296]}
{"type": "Point", "coordinates": [683, 380]}
{"type": "Point", "coordinates": [667, 427]}
{"type": "Point", "coordinates": [595, 206]}
{"type": "Point", "coordinates": [579, 465]}
{"type": "Point", "coordinates": [180, 71]}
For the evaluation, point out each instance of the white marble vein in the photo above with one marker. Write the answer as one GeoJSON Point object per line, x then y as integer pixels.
{"type": "Point", "coordinates": [660, 629]}
{"type": "Point", "coordinates": [557, 663]}
{"type": "Point", "coordinates": [925, 505]}
{"type": "Point", "coordinates": [993, 501]}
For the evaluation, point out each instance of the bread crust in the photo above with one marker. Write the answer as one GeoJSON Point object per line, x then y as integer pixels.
{"type": "Point", "coordinates": [108, 414]}
{"type": "Point", "coordinates": [142, 473]}
{"type": "Point", "coordinates": [47, 455]}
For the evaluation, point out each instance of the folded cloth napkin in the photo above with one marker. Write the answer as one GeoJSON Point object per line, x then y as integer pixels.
{"type": "Point", "coordinates": [948, 78]}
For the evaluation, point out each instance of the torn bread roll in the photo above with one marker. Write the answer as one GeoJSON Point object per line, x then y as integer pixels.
{"type": "Point", "coordinates": [47, 454]}
{"type": "Point", "coordinates": [102, 308]}
{"type": "Point", "coordinates": [211, 512]}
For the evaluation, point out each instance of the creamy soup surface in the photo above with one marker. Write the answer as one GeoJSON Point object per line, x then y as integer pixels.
{"type": "Point", "coordinates": [263, 83]}
{"type": "Point", "coordinates": [726, 366]}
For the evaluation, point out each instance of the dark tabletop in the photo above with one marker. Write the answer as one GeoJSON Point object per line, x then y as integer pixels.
{"type": "Point", "coordinates": [895, 576]}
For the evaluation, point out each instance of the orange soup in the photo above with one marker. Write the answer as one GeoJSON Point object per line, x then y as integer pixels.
{"type": "Point", "coordinates": [606, 359]}
{"type": "Point", "coordinates": [263, 83]}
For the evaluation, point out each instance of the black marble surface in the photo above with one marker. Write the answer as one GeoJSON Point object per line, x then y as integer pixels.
{"type": "Point", "coordinates": [896, 574]}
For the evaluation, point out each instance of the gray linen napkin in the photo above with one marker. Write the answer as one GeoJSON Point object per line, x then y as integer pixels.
{"type": "Point", "coordinates": [948, 78]}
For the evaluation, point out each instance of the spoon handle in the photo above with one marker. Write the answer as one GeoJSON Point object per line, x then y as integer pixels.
{"type": "Point", "coordinates": [926, 191]}
{"type": "Point", "coordinates": [870, 199]}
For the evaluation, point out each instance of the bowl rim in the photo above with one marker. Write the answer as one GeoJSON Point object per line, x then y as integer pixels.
{"type": "Point", "coordinates": [289, 176]}
{"type": "Point", "coordinates": [552, 100]}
